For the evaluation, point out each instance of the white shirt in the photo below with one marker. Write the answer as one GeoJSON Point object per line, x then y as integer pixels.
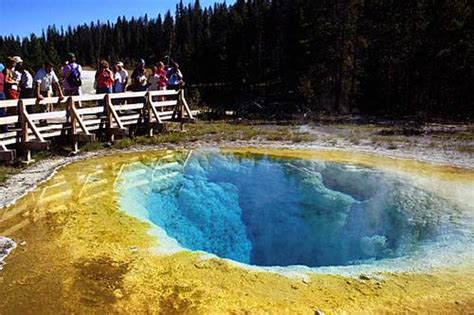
{"type": "Point", "coordinates": [123, 77]}
{"type": "Point", "coordinates": [46, 80]}
{"type": "Point", "coordinates": [16, 75]}
{"type": "Point", "coordinates": [26, 80]}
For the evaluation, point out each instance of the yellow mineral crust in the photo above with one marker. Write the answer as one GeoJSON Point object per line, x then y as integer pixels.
{"type": "Point", "coordinates": [79, 253]}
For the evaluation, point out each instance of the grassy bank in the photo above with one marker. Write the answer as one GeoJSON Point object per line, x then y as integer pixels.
{"type": "Point", "coordinates": [447, 138]}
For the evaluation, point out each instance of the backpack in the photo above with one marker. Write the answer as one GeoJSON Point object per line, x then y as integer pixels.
{"type": "Point", "coordinates": [74, 77]}
{"type": "Point", "coordinates": [104, 79]}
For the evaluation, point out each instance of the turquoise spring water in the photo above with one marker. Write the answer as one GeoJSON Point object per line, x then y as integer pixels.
{"type": "Point", "coordinates": [265, 211]}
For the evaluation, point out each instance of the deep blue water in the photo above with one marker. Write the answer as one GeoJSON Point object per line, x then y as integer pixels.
{"type": "Point", "coordinates": [276, 212]}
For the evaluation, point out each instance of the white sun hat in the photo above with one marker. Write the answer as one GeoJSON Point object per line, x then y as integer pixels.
{"type": "Point", "coordinates": [120, 64]}
{"type": "Point", "coordinates": [18, 59]}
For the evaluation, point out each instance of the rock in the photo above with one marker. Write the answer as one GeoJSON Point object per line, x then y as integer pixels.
{"type": "Point", "coordinates": [6, 246]}
{"type": "Point", "coordinates": [364, 277]}
{"type": "Point", "coordinates": [133, 248]}
{"type": "Point", "coordinates": [118, 293]}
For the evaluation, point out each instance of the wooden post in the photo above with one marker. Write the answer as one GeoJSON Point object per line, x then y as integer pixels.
{"type": "Point", "coordinates": [181, 109]}
{"type": "Point", "coordinates": [24, 130]}
{"type": "Point", "coordinates": [72, 115]}
{"type": "Point", "coordinates": [70, 105]}
{"type": "Point", "coordinates": [108, 110]}
{"type": "Point", "coordinates": [149, 112]}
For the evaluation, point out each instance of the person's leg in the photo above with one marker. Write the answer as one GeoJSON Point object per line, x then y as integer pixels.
{"type": "Point", "coordinates": [27, 94]}
{"type": "Point", "coordinates": [68, 93]}
{"type": "Point", "coordinates": [162, 88]}
{"type": "Point", "coordinates": [48, 107]}
{"type": "Point", "coordinates": [103, 91]}
{"type": "Point", "coordinates": [3, 113]}
{"type": "Point", "coordinates": [12, 94]}
{"type": "Point", "coordinates": [72, 92]}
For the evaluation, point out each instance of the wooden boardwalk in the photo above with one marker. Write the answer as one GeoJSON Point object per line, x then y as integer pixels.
{"type": "Point", "coordinates": [26, 125]}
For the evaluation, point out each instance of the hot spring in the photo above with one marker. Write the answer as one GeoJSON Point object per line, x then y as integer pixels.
{"type": "Point", "coordinates": [242, 230]}
{"type": "Point", "coordinates": [267, 211]}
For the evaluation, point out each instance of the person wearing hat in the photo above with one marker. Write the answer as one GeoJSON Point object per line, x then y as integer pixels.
{"type": "Point", "coordinates": [72, 74]}
{"type": "Point", "coordinates": [46, 81]}
{"type": "Point", "coordinates": [16, 72]}
{"type": "Point", "coordinates": [104, 78]}
{"type": "Point", "coordinates": [123, 77]}
{"type": "Point", "coordinates": [26, 81]}
{"type": "Point", "coordinates": [175, 77]}
{"type": "Point", "coordinates": [139, 80]}
{"type": "Point", "coordinates": [10, 84]}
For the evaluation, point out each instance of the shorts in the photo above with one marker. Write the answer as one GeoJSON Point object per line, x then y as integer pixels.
{"type": "Point", "coordinates": [11, 94]}
{"type": "Point", "coordinates": [104, 90]}
{"type": "Point", "coordinates": [46, 94]}
{"type": "Point", "coordinates": [26, 93]}
{"type": "Point", "coordinates": [175, 87]}
{"type": "Point", "coordinates": [72, 92]}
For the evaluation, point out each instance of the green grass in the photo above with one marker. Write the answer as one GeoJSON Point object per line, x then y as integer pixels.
{"type": "Point", "coordinates": [92, 146]}
{"type": "Point", "coordinates": [6, 171]}
{"type": "Point", "coordinates": [466, 149]}
{"type": "Point", "coordinates": [220, 131]}
{"type": "Point", "coordinates": [202, 131]}
{"type": "Point", "coordinates": [216, 132]}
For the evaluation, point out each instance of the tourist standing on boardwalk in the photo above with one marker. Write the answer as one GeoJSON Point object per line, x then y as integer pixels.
{"type": "Point", "coordinates": [117, 88]}
{"type": "Point", "coordinates": [47, 82]}
{"type": "Point", "coordinates": [139, 80]}
{"type": "Point", "coordinates": [26, 81]}
{"type": "Point", "coordinates": [2, 95]}
{"type": "Point", "coordinates": [2, 81]}
{"type": "Point", "coordinates": [16, 72]}
{"type": "Point", "coordinates": [163, 76]}
{"type": "Point", "coordinates": [72, 74]}
{"type": "Point", "coordinates": [10, 85]}
{"type": "Point", "coordinates": [104, 78]}
{"type": "Point", "coordinates": [123, 77]}
{"type": "Point", "coordinates": [158, 80]}
{"type": "Point", "coordinates": [175, 77]}
{"type": "Point", "coordinates": [153, 79]}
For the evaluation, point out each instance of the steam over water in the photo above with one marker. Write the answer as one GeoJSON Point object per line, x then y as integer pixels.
{"type": "Point", "coordinates": [265, 211]}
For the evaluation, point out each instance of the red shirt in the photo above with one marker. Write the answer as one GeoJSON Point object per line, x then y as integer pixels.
{"type": "Point", "coordinates": [104, 78]}
{"type": "Point", "coordinates": [163, 79]}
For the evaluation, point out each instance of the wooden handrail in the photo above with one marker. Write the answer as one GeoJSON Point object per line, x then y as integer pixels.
{"type": "Point", "coordinates": [116, 111]}
{"type": "Point", "coordinates": [87, 97]}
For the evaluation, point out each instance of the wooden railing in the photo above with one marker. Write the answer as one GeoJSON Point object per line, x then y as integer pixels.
{"type": "Point", "coordinates": [25, 125]}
